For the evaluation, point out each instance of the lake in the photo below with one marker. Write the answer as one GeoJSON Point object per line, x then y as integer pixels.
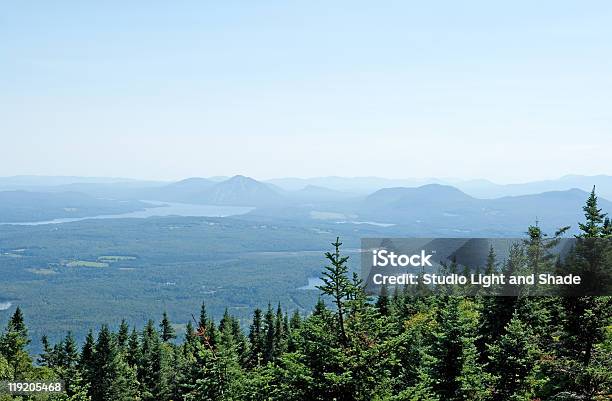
{"type": "Point", "coordinates": [157, 209]}
{"type": "Point", "coordinates": [5, 305]}
{"type": "Point", "coordinates": [313, 282]}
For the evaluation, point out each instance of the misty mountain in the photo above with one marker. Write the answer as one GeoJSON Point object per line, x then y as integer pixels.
{"type": "Point", "coordinates": [407, 197]}
{"type": "Point", "coordinates": [241, 191]}
{"type": "Point", "coordinates": [314, 193]}
{"type": "Point", "coordinates": [188, 190]}
{"type": "Point", "coordinates": [479, 188]}
{"type": "Point", "coordinates": [488, 189]}
{"type": "Point", "coordinates": [439, 206]}
{"type": "Point", "coordinates": [357, 185]}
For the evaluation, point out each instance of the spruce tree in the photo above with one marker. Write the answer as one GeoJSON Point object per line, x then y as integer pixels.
{"type": "Point", "coordinates": [133, 355]}
{"type": "Point", "coordinates": [256, 340]}
{"type": "Point", "coordinates": [46, 358]}
{"type": "Point", "coordinates": [456, 369]}
{"type": "Point", "coordinates": [594, 218]}
{"type": "Point", "coordinates": [152, 384]}
{"type": "Point", "coordinates": [167, 331]}
{"type": "Point", "coordinates": [13, 346]}
{"type": "Point", "coordinates": [87, 359]}
{"type": "Point", "coordinates": [269, 330]}
{"type": "Point", "coordinates": [606, 231]}
{"type": "Point", "coordinates": [280, 334]}
{"type": "Point", "coordinates": [383, 303]}
{"type": "Point", "coordinates": [513, 359]}
{"type": "Point", "coordinates": [337, 285]}
{"type": "Point", "coordinates": [122, 335]}
{"type": "Point", "coordinates": [69, 363]}
{"type": "Point", "coordinates": [111, 379]}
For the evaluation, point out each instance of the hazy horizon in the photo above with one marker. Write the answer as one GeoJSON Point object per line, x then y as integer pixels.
{"type": "Point", "coordinates": [509, 93]}
{"type": "Point", "coordinates": [424, 180]}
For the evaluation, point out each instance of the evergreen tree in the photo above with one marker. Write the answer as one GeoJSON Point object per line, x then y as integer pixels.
{"type": "Point", "coordinates": [13, 343]}
{"type": "Point", "coordinates": [457, 373]}
{"type": "Point", "coordinates": [269, 330]}
{"type": "Point", "coordinates": [167, 331]}
{"type": "Point", "coordinates": [46, 358]}
{"type": "Point", "coordinates": [383, 303]}
{"type": "Point", "coordinates": [69, 361]}
{"type": "Point", "coordinates": [153, 386]}
{"type": "Point", "coordinates": [133, 355]}
{"type": "Point", "coordinates": [87, 360]}
{"type": "Point", "coordinates": [280, 334]}
{"type": "Point", "coordinates": [592, 227]}
{"type": "Point", "coordinates": [256, 340]}
{"type": "Point", "coordinates": [17, 324]}
{"type": "Point", "coordinates": [337, 285]}
{"type": "Point", "coordinates": [513, 360]}
{"type": "Point", "coordinates": [122, 335]}
{"type": "Point", "coordinates": [111, 380]}
{"type": "Point", "coordinates": [295, 324]}
{"type": "Point", "coordinates": [606, 230]}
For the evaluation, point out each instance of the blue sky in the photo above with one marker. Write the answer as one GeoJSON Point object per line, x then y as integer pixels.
{"type": "Point", "coordinates": [509, 91]}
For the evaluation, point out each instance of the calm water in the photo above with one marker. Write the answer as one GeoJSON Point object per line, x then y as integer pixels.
{"type": "Point", "coordinates": [158, 209]}
{"type": "Point", "coordinates": [313, 282]}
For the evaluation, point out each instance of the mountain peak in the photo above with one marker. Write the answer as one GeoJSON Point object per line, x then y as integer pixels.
{"type": "Point", "coordinates": [239, 178]}
{"type": "Point", "coordinates": [242, 191]}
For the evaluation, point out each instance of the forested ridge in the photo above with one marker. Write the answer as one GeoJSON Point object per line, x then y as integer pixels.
{"type": "Point", "coordinates": [399, 346]}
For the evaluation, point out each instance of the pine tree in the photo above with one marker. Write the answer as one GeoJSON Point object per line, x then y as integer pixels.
{"type": "Point", "coordinates": [205, 325]}
{"type": "Point", "coordinates": [240, 340]}
{"type": "Point", "coordinates": [122, 335]}
{"type": "Point", "coordinates": [150, 368]}
{"type": "Point", "coordinates": [69, 362]}
{"type": "Point", "coordinates": [593, 226]}
{"type": "Point", "coordinates": [190, 339]}
{"type": "Point", "coordinates": [295, 324]}
{"type": "Point", "coordinates": [337, 285]}
{"type": "Point", "coordinates": [256, 340]}
{"type": "Point", "coordinates": [133, 355]}
{"type": "Point", "coordinates": [606, 230]}
{"type": "Point", "coordinates": [167, 331]}
{"type": "Point", "coordinates": [280, 334]}
{"type": "Point", "coordinates": [111, 379]}
{"type": "Point", "coordinates": [269, 335]}
{"type": "Point", "coordinates": [456, 370]}
{"type": "Point", "coordinates": [17, 324]}
{"type": "Point", "coordinates": [383, 303]}
{"type": "Point", "coordinates": [13, 343]}
{"type": "Point", "coordinates": [513, 360]}
{"type": "Point", "coordinates": [87, 360]}
{"type": "Point", "coordinates": [46, 358]}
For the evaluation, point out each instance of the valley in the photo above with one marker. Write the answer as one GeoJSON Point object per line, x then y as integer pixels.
{"type": "Point", "coordinates": [236, 244]}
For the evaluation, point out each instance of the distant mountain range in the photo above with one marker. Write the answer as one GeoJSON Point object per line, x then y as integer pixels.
{"type": "Point", "coordinates": [455, 208]}
{"type": "Point", "coordinates": [235, 191]}
{"type": "Point", "coordinates": [479, 188]}
{"type": "Point", "coordinates": [437, 205]}
{"type": "Point", "coordinates": [342, 186]}
{"type": "Point", "coordinates": [488, 189]}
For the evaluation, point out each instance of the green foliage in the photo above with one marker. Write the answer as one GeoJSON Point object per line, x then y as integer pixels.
{"type": "Point", "coordinates": [513, 360]}
{"type": "Point", "coordinates": [337, 285]}
{"type": "Point", "coordinates": [167, 331]}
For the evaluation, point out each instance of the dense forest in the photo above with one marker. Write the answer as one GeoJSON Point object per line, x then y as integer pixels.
{"type": "Point", "coordinates": [397, 346]}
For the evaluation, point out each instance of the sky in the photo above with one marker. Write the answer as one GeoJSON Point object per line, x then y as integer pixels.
{"type": "Point", "coordinates": [507, 91]}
